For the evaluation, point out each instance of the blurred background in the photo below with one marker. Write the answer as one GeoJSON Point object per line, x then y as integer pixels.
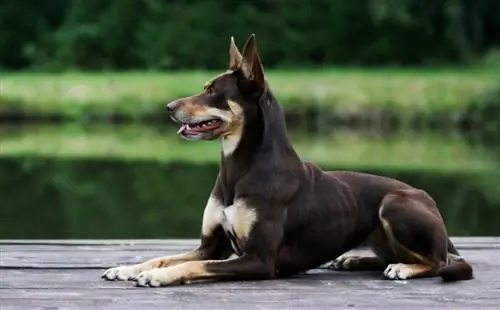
{"type": "Point", "coordinates": [403, 88]}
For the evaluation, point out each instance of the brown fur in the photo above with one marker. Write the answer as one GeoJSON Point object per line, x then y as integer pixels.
{"type": "Point", "coordinates": [282, 216]}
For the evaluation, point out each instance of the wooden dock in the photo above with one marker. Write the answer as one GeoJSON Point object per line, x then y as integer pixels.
{"type": "Point", "coordinates": [66, 275]}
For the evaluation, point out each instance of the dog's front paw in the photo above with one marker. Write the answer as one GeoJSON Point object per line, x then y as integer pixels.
{"type": "Point", "coordinates": [122, 273]}
{"type": "Point", "coordinates": [398, 272]}
{"type": "Point", "coordinates": [345, 263]}
{"type": "Point", "coordinates": [158, 277]}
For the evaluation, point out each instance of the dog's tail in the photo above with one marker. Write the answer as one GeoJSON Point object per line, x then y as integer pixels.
{"type": "Point", "coordinates": [456, 269]}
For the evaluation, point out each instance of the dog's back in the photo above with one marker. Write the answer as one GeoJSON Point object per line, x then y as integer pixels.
{"type": "Point", "coordinates": [368, 189]}
{"type": "Point", "coordinates": [333, 212]}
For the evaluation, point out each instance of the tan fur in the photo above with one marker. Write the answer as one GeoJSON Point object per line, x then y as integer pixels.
{"type": "Point", "coordinates": [408, 271]}
{"type": "Point", "coordinates": [197, 110]}
{"type": "Point", "coordinates": [180, 274]}
{"type": "Point", "coordinates": [242, 219]}
{"type": "Point", "coordinates": [232, 135]}
{"type": "Point", "coordinates": [129, 272]}
{"type": "Point", "coordinates": [418, 270]}
{"type": "Point", "coordinates": [171, 260]}
{"type": "Point", "coordinates": [212, 215]}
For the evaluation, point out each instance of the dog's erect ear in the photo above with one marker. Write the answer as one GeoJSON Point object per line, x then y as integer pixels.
{"type": "Point", "coordinates": [234, 56]}
{"type": "Point", "coordinates": [250, 64]}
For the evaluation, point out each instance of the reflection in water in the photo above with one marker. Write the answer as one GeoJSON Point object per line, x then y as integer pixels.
{"type": "Point", "coordinates": [142, 182]}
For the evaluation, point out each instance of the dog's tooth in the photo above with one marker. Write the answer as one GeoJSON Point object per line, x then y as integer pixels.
{"type": "Point", "coordinates": [183, 127]}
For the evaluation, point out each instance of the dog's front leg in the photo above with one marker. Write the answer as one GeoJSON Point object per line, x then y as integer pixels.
{"type": "Point", "coordinates": [130, 272]}
{"type": "Point", "coordinates": [258, 234]}
{"type": "Point", "coordinates": [211, 244]}
{"type": "Point", "coordinates": [245, 267]}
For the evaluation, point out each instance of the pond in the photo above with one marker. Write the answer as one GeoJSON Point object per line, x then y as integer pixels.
{"type": "Point", "coordinates": [133, 181]}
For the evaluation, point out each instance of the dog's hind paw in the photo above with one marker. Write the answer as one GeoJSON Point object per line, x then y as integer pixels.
{"type": "Point", "coordinates": [121, 273]}
{"type": "Point", "coordinates": [398, 272]}
{"type": "Point", "coordinates": [345, 263]}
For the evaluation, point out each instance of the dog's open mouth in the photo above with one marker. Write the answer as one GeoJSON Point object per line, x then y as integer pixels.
{"type": "Point", "coordinates": [201, 127]}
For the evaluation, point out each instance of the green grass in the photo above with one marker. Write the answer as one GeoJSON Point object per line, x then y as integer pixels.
{"type": "Point", "coordinates": [345, 90]}
{"type": "Point", "coordinates": [343, 149]}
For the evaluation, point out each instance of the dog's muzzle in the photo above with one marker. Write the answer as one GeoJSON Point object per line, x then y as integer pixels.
{"type": "Point", "coordinates": [172, 107]}
{"type": "Point", "coordinates": [193, 127]}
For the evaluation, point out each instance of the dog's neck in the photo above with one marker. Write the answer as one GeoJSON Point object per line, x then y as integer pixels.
{"type": "Point", "coordinates": [264, 146]}
{"type": "Point", "coordinates": [268, 133]}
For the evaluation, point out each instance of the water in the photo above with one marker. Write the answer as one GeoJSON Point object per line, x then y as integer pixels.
{"type": "Point", "coordinates": [144, 182]}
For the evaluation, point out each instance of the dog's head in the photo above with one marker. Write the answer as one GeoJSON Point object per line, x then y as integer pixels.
{"type": "Point", "coordinates": [227, 101]}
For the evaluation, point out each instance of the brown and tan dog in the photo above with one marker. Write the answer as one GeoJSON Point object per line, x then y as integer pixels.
{"type": "Point", "coordinates": [271, 215]}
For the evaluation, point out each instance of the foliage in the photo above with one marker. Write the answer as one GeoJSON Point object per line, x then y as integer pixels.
{"type": "Point", "coordinates": [125, 34]}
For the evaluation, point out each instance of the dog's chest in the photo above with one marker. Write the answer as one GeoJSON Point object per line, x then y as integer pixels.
{"type": "Point", "coordinates": [236, 220]}
{"type": "Point", "coordinates": [228, 220]}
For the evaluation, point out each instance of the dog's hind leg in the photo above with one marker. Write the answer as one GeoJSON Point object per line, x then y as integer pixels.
{"type": "Point", "coordinates": [410, 242]}
{"type": "Point", "coordinates": [417, 241]}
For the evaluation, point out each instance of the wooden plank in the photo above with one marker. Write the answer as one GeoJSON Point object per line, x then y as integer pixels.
{"type": "Point", "coordinates": [460, 241]}
{"type": "Point", "coordinates": [67, 275]}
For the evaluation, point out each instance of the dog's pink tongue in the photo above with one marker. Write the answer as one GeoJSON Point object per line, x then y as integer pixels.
{"type": "Point", "coordinates": [183, 127]}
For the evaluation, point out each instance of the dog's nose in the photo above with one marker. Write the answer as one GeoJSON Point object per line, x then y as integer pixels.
{"type": "Point", "coordinates": [171, 107]}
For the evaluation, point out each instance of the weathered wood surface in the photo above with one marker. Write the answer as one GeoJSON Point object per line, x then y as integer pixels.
{"type": "Point", "coordinates": [66, 275]}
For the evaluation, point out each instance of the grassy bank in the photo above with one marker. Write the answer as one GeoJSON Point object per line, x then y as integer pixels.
{"type": "Point", "coordinates": [139, 95]}
{"type": "Point", "coordinates": [355, 149]}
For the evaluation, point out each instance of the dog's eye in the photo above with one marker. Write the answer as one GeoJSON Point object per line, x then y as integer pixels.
{"type": "Point", "coordinates": [210, 90]}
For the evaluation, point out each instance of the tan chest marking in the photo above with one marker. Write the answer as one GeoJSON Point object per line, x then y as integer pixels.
{"type": "Point", "coordinates": [240, 219]}
{"type": "Point", "coordinates": [212, 216]}
{"type": "Point", "coordinates": [237, 220]}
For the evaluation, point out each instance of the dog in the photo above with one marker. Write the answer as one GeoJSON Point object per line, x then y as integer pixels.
{"type": "Point", "coordinates": [271, 215]}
